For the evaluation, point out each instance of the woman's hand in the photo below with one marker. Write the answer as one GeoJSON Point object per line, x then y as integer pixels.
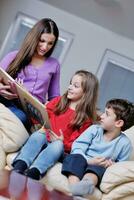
{"type": "Point", "coordinates": [5, 91]}
{"type": "Point", "coordinates": [19, 81]}
{"type": "Point", "coordinates": [10, 91]}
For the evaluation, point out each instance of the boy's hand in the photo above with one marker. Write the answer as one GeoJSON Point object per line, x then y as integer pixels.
{"type": "Point", "coordinates": [97, 161]}
{"type": "Point", "coordinates": [101, 161]}
{"type": "Point", "coordinates": [109, 162]}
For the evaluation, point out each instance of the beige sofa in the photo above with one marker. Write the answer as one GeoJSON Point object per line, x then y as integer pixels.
{"type": "Point", "coordinates": [118, 180]}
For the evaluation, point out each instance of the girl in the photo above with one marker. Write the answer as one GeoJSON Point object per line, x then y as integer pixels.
{"type": "Point", "coordinates": [69, 115]}
{"type": "Point", "coordinates": [33, 67]}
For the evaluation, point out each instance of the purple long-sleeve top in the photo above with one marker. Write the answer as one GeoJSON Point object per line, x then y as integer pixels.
{"type": "Point", "coordinates": [39, 81]}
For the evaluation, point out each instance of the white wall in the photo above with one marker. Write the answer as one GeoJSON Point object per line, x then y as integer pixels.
{"type": "Point", "coordinates": [89, 43]}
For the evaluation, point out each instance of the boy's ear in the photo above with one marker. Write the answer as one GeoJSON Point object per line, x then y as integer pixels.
{"type": "Point", "coordinates": [119, 123]}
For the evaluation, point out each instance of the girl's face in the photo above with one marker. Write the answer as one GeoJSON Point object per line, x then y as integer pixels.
{"type": "Point", "coordinates": [108, 119]}
{"type": "Point", "coordinates": [75, 91]}
{"type": "Point", "coordinates": [45, 44]}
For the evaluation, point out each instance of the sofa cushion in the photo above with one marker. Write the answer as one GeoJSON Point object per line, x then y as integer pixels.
{"type": "Point", "coordinates": [55, 179]}
{"type": "Point", "coordinates": [124, 191]}
{"type": "Point", "coordinates": [117, 174]}
{"type": "Point", "coordinates": [12, 132]}
{"type": "Point", "coordinates": [130, 134]}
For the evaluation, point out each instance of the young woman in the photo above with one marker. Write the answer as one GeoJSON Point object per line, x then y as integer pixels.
{"type": "Point", "coordinates": [69, 115]}
{"type": "Point", "coordinates": [33, 67]}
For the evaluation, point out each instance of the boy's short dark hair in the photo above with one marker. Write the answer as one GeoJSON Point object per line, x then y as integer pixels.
{"type": "Point", "coordinates": [124, 110]}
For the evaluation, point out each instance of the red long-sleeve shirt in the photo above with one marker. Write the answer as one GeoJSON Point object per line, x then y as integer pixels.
{"type": "Point", "coordinates": [62, 122]}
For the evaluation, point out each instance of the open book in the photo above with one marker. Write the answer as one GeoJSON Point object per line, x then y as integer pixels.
{"type": "Point", "coordinates": [33, 107]}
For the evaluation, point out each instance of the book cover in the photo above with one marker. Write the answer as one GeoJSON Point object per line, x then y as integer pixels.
{"type": "Point", "coordinates": [31, 105]}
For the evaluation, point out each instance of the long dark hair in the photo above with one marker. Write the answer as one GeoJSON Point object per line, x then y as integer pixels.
{"type": "Point", "coordinates": [87, 106]}
{"type": "Point", "coordinates": [29, 45]}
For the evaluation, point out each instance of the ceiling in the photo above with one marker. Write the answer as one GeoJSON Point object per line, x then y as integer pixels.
{"type": "Point", "coordinates": [115, 15]}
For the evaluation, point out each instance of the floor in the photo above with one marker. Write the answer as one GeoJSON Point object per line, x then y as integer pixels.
{"type": "Point", "coordinates": [15, 186]}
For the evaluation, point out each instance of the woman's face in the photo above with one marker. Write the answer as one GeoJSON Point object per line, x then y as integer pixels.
{"type": "Point", "coordinates": [45, 44]}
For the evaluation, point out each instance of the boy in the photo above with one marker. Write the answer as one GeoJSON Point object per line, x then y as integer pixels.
{"type": "Point", "coordinates": [99, 147]}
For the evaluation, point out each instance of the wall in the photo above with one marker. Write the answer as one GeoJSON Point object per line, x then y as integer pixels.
{"type": "Point", "coordinates": [89, 43]}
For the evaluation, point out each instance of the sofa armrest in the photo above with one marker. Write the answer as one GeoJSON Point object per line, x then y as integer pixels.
{"type": "Point", "coordinates": [12, 132]}
{"type": "Point", "coordinates": [2, 158]}
{"type": "Point", "coordinates": [117, 174]}
{"type": "Point", "coordinates": [9, 159]}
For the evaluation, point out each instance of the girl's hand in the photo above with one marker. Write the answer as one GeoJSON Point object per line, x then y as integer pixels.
{"type": "Point", "coordinates": [42, 130]}
{"type": "Point", "coordinates": [54, 136]}
{"type": "Point", "coordinates": [46, 103]}
{"type": "Point", "coordinates": [61, 137]}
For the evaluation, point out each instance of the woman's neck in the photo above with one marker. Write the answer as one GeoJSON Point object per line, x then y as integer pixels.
{"type": "Point", "coordinates": [37, 60]}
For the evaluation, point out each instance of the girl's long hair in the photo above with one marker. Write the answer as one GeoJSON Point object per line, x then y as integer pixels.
{"type": "Point", "coordinates": [86, 109]}
{"type": "Point", "coordinates": [29, 45]}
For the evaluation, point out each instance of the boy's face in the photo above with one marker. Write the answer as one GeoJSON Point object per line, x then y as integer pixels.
{"type": "Point", "coordinates": [108, 119]}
